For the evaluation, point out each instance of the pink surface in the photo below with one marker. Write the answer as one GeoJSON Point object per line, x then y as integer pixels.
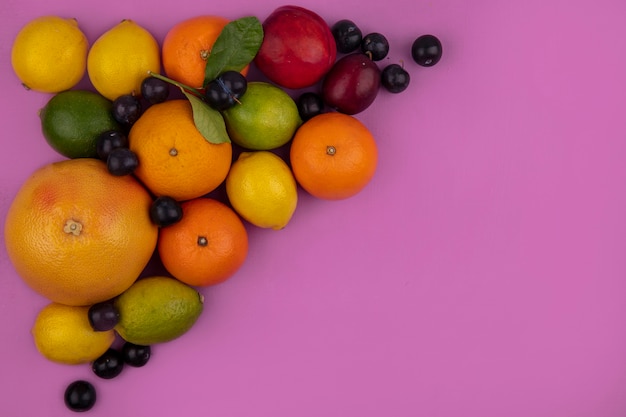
{"type": "Point", "coordinates": [480, 274]}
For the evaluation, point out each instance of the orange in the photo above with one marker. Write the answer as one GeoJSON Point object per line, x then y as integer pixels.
{"type": "Point", "coordinates": [187, 46]}
{"type": "Point", "coordinates": [78, 235]}
{"type": "Point", "coordinates": [175, 160]}
{"type": "Point", "coordinates": [207, 246]}
{"type": "Point", "coordinates": [333, 156]}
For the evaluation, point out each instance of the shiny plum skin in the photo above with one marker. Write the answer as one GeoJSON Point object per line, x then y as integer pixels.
{"type": "Point", "coordinates": [352, 84]}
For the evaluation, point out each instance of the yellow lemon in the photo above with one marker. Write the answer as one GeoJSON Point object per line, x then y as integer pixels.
{"type": "Point", "coordinates": [262, 189]}
{"type": "Point", "coordinates": [63, 334]}
{"type": "Point", "coordinates": [49, 54]}
{"type": "Point", "coordinates": [119, 60]}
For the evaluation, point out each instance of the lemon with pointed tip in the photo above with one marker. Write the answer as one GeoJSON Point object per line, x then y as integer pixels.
{"type": "Point", "coordinates": [262, 189]}
{"type": "Point", "coordinates": [119, 60]}
{"type": "Point", "coordinates": [49, 54]}
{"type": "Point", "coordinates": [63, 334]}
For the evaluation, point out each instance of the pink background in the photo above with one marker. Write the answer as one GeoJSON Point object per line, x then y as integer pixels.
{"type": "Point", "coordinates": [480, 274]}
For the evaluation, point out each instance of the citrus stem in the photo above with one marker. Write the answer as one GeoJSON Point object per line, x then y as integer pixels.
{"type": "Point", "coordinates": [182, 86]}
{"type": "Point", "coordinates": [73, 227]}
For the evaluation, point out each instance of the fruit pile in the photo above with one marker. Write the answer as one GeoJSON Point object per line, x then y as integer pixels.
{"type": "Point", "coordinates": [146, 149]}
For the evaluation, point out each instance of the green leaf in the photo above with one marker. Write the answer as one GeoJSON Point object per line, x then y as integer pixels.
{"type": "Point", "coordinates": [235, 47]}
{"type": "Point", "coordinates": [208, 121]}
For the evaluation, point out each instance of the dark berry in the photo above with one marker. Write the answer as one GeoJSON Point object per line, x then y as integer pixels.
{"type": "Point", "coordinates": [103, 316]}
{"type": "Point", "coordinates": [80, 396]}
{"type": "Point", "coordinates": [309, 104]}
{"type": "Point", "coordinates": [217, 97]}
{"type": "Point", "coordinates": [126, 109]}
{"type": "Point", "coordinates": [375, 45]}
{"type": "Point", "coordinates": [135, 355]}
{"type": "Point", "coordinates": [234, 83]}
{"type": "Point", "coordinates": [426, 50]}
{"type": "Point", "coordinates": [154, 90]}
{"type": "Point", "coordinates": [395, 78]}
{"type": "Point", "coordinates": [109, 365]}
{"type": "Point", "coordinates": [165, 211]}
{"type": "Point", "coordinates": [223, 92]}
{"type": "Point", "coordinates": [347, 36]}
{"type": "Point", "coordinates": [109, 140]}
{"type": "Point", "coordinates": [122, 161]}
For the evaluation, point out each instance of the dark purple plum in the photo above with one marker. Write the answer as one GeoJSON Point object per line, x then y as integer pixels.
{"type": "Point", "coordinates": [352, 84]}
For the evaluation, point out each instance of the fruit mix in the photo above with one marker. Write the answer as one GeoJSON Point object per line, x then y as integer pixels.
{"type": "Point", "coordinates": [333, 72]}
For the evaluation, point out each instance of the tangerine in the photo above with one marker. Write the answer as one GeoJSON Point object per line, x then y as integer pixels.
{"type": "Point", "coordinates": [78, 235]}
{"type": "Point", "coordinates": [333, 156]}
{"type": "Point", "coordinates": [175, 160]}
{"type": "Point", "coordinates": [187, 47]}
{"type": "Point", "coordinates": [207, 246]}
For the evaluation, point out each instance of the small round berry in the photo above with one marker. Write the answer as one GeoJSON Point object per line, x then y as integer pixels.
{"type": "Point", "coordinates": [347, 36]}
{"type": "Point", "coordinates": [80, 396]}
{"type": "Point", "coordinates": [109, 140]}
{"type": "Point", "coordinates": [103, 316]}
{"type": "Point", "coordinates": [309, 104]}
{"type": "Point", "coordinates": [122, 161]}
{"type": "Point", "coordinates": [426, 50]}
{"type": "Point", "coordinates": [136, 355]}
{"type": "Point", "coordinates": [234, 83]}
{"type": "Point", "coordinates": [217, 97]}
{"type": "Point", "coordinates": [126, 109]}
{"type": "Point", "coordinates": [165, 211]}
{"type": "Point", "coordinates": [375, 45]}
{"type": "Point", "coordinates": [154, 90]}
{"type": "Point", "coordinates": [395, 78]}
{"type": "Point", "coordinates": [109, 365]}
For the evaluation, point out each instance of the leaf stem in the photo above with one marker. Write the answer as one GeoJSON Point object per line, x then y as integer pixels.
{"type": "Point", "coordinates": [182, 86]}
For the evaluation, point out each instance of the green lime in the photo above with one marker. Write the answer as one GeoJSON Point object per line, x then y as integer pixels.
{"type": "Point", "coordinates": [266, 118]}
{"type": "Point", "coordinates": [156, 310]}
{"type": "Point", "coordinates": [72, 120]}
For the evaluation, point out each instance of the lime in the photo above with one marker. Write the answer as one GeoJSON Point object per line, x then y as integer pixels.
{"type": "Point", "coordinates": [157, 309]}
{"type": "Point", "coordinates": [262, 189]}
{"type": "Point", "coordinates": [72, 120]}
{"type": "Point", "coordinates": [49, 54]}
{"type": "Point", "coordinates": [266, 118]}
{"type": "Point", "coordinates": [63, 334]}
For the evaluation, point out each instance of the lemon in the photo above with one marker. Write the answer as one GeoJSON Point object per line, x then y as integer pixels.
{"type": "Point", "coordinates": [157, 309]}
{"type": "Point", "coordinates": [72, 120]}
{"type": "Point", "coordinates": [49, 54]}
{"type": "Point", "coordinates": [119, 60]}
{"type": "Point", "coordinates": [262, 189]}
{"type": "Point", "coordinates": [63, 334]}
{"type": "Point", "coordinates": [266, 118]}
